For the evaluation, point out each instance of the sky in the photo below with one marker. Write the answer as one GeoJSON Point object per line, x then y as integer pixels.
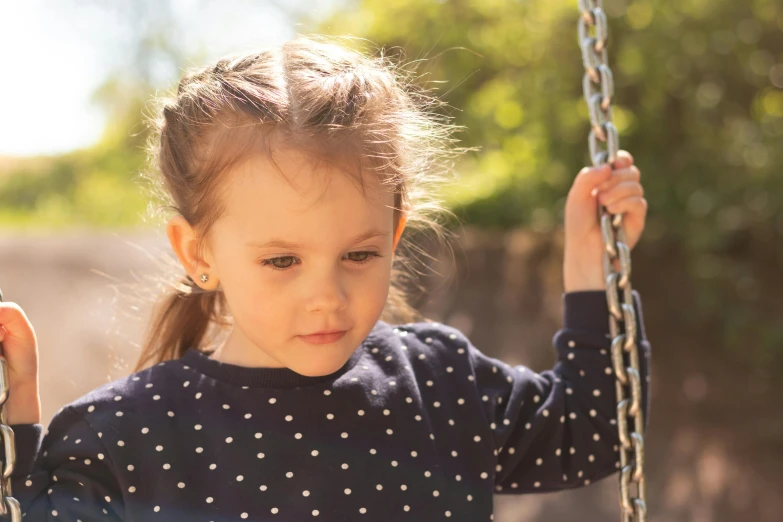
{"type": "Point", "coordinates": [56, 52]}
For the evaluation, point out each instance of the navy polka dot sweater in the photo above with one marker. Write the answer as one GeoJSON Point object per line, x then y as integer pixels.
{"type": "Point", "coordinates": [418, 425]}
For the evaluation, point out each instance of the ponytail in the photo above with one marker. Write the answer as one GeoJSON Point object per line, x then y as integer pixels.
{"type": "Point", "coordinates": [181, 319]}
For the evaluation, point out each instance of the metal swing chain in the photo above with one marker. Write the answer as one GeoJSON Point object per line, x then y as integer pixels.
{"type": "Point", "coordinates": [598, 87]}
{"type": "Point", "coordinates": [8, 504]}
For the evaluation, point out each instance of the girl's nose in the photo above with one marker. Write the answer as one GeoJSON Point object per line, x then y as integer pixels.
{"type": "Point", "coordinates": [327, 295]}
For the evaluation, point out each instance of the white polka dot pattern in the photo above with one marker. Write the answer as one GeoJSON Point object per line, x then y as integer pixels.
{"type": "Point", "coordinates": [419, 425]}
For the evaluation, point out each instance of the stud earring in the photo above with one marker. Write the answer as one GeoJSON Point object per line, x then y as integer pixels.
{"type": "Point", "coordinates": [204, 278]}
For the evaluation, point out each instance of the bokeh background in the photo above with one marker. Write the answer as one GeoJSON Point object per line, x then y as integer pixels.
{"type": "Point", "coordinates": [699, 103]}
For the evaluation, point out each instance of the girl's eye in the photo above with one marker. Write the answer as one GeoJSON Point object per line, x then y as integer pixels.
{"type": "Point", "coordinates": [273, 262]}
{"type": "Point", "coordinates": [276, 262]}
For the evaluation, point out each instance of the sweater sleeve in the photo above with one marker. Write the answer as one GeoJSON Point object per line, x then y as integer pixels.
{"type": "Point", "coordinates": [70, 478]}
{"type": "Point", "coordinates": [557, 429]}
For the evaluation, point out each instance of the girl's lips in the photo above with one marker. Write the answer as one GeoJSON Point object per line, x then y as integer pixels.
{"type": "Point", "coordinates": [322, 338]}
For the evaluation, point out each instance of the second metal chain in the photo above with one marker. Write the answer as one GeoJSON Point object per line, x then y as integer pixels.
{"type": "Point", "coordinates": [598, 88]}
{"type": "Point", "coordinates": [8, 504]}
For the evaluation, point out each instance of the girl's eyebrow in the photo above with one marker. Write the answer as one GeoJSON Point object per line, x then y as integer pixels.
{"type": "Point", "coordinates": [280, 243]}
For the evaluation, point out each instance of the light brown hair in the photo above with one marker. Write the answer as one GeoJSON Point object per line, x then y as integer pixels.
{"type": "Point", "coordinates": [325, 99]}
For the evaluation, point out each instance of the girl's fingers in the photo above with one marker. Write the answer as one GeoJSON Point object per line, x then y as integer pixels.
{"type": "Point", "coordinates": [587, 180]}
{"type": "Point", "coordinates": [620, 191]}
{"type": "Point", "coordinates": [618, 176]}
{"type": "Point", "coordinates": [13, 318]}
{"type": "Point", "coordinates": [16, 325]}
{"type": "Point", "coordinates": [20, 346]}
{"type": "Point", "coordinates": [633, 205]}
{"type": "Point", "coordinates": [624, 159]}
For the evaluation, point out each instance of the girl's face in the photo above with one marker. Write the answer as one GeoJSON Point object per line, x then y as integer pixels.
{"type": "Point", "coordinates": [329, 270]}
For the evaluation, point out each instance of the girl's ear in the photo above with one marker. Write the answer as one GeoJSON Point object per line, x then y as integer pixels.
{"type": "Point", "coordinates": [400, 227]}
{"type": "Point", "coordinates": [183, 241]}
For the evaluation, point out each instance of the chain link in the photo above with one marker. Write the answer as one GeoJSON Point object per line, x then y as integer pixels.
{"type": "Point", "coordinates": [598, 88]}
{"type": "Point", "coordinates": [8, 504]}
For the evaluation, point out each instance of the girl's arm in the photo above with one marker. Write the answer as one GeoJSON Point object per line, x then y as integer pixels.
{"type": "Point", "coordinates": [556, 429]}
{"type": "Point", "coordinates": [69, 478]}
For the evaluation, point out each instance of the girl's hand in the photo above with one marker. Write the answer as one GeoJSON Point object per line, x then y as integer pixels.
{"type": "Point", "coordinates": [20, 349]}
{"type": "Point", "coordinates": [620, 192]}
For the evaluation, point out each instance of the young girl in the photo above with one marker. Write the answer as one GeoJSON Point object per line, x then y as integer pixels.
{"type": "Point", "coordinates": [292, 173]}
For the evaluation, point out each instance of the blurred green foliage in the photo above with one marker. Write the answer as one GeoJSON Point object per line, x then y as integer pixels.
{"type": "Point", "coordinates": [699, 103]}
{"type": "Point", "coordinates": [695, 103]}
{"type": "Point", "coordinates": [93, 187]}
